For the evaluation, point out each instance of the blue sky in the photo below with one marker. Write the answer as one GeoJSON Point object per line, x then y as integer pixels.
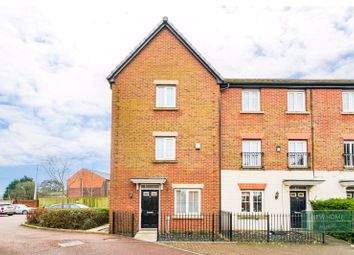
{"type": "Point", "coordinates": [55, 55]}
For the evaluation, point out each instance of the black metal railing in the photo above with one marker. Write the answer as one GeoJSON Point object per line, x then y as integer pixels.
{"type": "Point", "coordinates": [123, 223]}
{"type": "Point", "coordinates": [298, 159]}
{"type": "Point", "coordinates": [349, 160]}
{"type": "Point", "coordinates": [252, 159]}
{"type": "Point", "coordinates": [227, 226]}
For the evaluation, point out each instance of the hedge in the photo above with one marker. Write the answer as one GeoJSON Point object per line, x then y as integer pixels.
{"type": "Point", "coordinates": [333, 204]}
{"type": "Point", "coordinates": [336, 204]}
{"type": "Point", "coordinates": [68, 218]}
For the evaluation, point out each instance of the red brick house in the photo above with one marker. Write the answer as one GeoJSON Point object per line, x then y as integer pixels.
{"type": "Point", "coordinates": [185, 140]}
{"type": "Point", "coordinates": [88, 183]}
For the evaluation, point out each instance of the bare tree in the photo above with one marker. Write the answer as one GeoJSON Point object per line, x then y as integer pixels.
{"type": "Point", "coordinates": [58, 169]}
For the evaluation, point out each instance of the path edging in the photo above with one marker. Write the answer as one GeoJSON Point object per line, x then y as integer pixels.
{"type": "Point", "coordinates": [62, 229]}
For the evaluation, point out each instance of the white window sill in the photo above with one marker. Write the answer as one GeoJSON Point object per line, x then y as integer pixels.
{"type": "Point", "coordinates": [348, 167]}
{"type": "Point", "coordinates": [164, 161]}
{"type": "Point", "coordinates": [347, 113]}
{"type": "Point", "coordinates": [288, 112]}
{"type": "Point", "coordinates": [299, 168]}
{"type": "Point", "coordinates": [165, 108]}
{"type": "Point", "coordinates": [252, 167]}
{"type": "Point", "coordinates": [251, 112]}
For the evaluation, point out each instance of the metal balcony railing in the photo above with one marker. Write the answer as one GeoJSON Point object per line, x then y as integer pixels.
{"type": "Point", "coordinates": [252, 159]}
{"type": "Point", "coordinates": [348, 160]}
{"type": "Point", "coordinates": [298, 159]}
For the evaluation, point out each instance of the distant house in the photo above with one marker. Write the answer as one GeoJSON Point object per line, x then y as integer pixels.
{"type": "Point", "coordinates": [87, 183]}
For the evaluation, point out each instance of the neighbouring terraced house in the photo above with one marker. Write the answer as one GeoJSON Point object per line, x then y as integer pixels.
{"type": "Point", "coordinates": [186, 140]}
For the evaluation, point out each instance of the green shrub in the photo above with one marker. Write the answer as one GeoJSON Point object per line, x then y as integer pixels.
{"type": "Point", "coordinates": [336, 204]}
{"type": "Point", "coordinates": [333, 204]}
{"type": "Point", "coordinates": [70, 218]}
{"type": "Point", "coordinates": [104, 209]}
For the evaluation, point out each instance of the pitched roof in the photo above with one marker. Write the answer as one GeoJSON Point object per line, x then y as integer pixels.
{"type": "Point", "coordinates": [90, 179]}
{"type": "Point", "coordinates": [164, 24]}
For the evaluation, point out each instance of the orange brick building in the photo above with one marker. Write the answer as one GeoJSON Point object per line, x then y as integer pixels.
{"type": "Point", "coordinates": [88, 183]}
{"type": "Point", "coordinates": [186, 141]}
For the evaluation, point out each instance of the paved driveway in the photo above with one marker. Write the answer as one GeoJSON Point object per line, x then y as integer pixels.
{"type": "Point", "coordinates": [15, 239]}
{"type": "Point", "coordinates": [333, 248]}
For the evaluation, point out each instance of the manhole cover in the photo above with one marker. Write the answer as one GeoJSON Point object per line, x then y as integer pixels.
{"type": "Point", "coordinates": [70, 243]}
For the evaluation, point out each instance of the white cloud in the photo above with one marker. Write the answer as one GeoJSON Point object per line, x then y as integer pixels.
{"type": "Point", "coordinates": [54, 56]}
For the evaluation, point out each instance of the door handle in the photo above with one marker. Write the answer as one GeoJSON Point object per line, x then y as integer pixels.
{"type": "Point", "coordinates": [149, 212]}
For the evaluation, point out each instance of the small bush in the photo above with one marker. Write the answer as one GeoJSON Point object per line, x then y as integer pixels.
{"type": "Point", "coordinates": [333, 204]}
{"type": "Point", "coordinates": [336, 204]}
{"type": "Point", "coordinates": [70, 218]}
{"type": "Point", "coordinates": [34, 217]}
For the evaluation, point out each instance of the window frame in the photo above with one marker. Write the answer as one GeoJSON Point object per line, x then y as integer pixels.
{"type": "Point", "coordinates": [258, 150]}
{"type": "Point", "coordinates": [165, 98]}
{"type": "Point", "coordinates": [251, 207]}
{"type": "Point", "coordinates": [187, 213]}
{"type": "Point", "coordinates": [164, 158]}
{"type": "Point", "coordinates": [350, 103]}
{"type": "Point", "coordinates": [249, 108]}
{"type": "Point", "coordinates": [305, 165]}
{"type": "Point", "coordinates": [349, 190]}
{"type": "Point", "coordinates": [302, 108]}
{"type": "Point", "coordinates": [351, 151]}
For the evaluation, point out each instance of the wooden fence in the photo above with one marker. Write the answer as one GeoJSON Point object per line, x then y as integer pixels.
{"type": "Point", "coordinates": [93, 202]}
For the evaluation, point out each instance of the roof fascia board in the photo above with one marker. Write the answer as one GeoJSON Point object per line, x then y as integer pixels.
{"type": "Point", "coordinates": [290, 85]}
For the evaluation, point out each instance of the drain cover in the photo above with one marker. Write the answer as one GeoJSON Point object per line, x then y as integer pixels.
{"type": "Point", "coordinates": [70, 243]}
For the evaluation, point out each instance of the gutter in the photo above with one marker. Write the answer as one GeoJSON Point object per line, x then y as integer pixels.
{"type": "Point", "coordinates": [312, 134]}
{"type": "Point", "coordinates": [220, 140]}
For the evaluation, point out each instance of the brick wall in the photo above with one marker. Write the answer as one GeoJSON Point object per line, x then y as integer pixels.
{"type": "Point", "coordinates": [134, 120]}
{"type": "Point", "coordinates": [276, 127]}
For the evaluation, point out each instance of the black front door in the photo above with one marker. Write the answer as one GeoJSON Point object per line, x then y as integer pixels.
{"type": "Point", "coordinates": [297, 205]}
{"type": "Point", "coordinates": [149, 208]}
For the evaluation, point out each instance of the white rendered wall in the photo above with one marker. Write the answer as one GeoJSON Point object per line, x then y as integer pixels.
{"type": "Point", "coordinates": [231, 194]}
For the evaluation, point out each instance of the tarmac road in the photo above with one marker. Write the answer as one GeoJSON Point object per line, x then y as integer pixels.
{"type": "Point", "coordinates": [16, 239]}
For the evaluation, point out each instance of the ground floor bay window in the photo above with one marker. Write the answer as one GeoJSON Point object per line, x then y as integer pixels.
{"type": "Point", "coordinates": [187, 201]}
{"type": "Point", "coordinates": [252, 201]}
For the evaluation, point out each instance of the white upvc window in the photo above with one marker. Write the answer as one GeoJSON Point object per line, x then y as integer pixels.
{"type": "Point", "coordinates": [251, 153]}
{"type": "Point", "coordinates": [349, 154]}
{"type": "Point", "coordinates": [297, 154]}
{"type": "Point", "coordinates": [252, 200]}
{"type": "Point", "coordinates": [187, 201]}
{"type": "Point", "coordinates": [165, 148]}
{"type": "Point", "coordinates": [165, 96]}
{"type": "Point", "coordinates": [251, 100]}
{"type": "Point", "coordinates": [348, 101]}
{"type": "Point", "coordinates": [296, 101]}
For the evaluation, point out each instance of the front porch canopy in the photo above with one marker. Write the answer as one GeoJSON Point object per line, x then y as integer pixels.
{"type": "Point", "coordinates": [145, 180]}
{"type": "Point", "coordinates": [305, 182]}
{"type": "Point", "coordinates": [347, 183]}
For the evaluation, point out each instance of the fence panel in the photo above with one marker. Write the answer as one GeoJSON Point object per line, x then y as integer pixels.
{"type": "Point", "coordinates": [123, 223]}
{"type": "Point", "coordinates": [227, 226]}
{"type": "Point", "coordinates": [93, 202]}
